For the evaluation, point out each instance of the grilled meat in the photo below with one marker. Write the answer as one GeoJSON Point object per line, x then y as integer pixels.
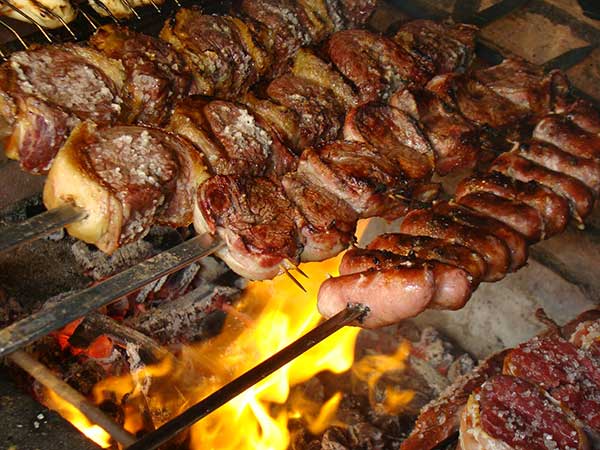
{"type": "Point", "coordinates": [551, 207]}
{"type": "Point", "coordinates": [155, 73]}
{"type": "Point", "coordinates": [126, 178]}
{"type": "Point", "coordinates": [527, 86]}
{"type": "Point", "coordinates": [232, 140]}
{"type": "Point", "coordinates": [454, 140]}
{"type": "Point", "coordinates": [328, 223]}
{"type": "Point", "coordinates": [46, 91]}
{"type": "Point", "coordinates": [564, 133]}
{"type": "Point", "coordinates": [256, 221]}
{"type": "Point", "coordinates": [375, 65]}
{"type": "Point", "coordinates": [508, 413]}
{"type": "Point", "coordinates": [395, 134]}
{"type": "Point", "coordinates": [450, 48]}
{"type": "Point", "coordinates": [494, 251]}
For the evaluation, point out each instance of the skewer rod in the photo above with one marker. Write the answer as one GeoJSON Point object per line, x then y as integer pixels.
{"type": "Point", "coordinates": [38, 226]}
{"type": "Point", "coordinates": [231, 390]}
{"type": "Point", "coordinates": [58, 315]}
{"type": "Point", "coordinates": [46, 378]}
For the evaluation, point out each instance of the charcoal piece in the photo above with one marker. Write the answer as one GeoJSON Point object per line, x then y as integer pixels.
{"type": "Point", "coordinates": [335, 439]}
{"type": "Point", "coordinates": [366, 436]}
{"type": "Point", "coordinates": [462, 365]}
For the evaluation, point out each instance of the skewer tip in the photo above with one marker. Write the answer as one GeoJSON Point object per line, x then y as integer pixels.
{"type": "Point", "coordinates": [294, 279]}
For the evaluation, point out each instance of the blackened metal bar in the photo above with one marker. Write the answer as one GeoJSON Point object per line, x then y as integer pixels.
{"type": "Point", "coordinates": [232, 389]}
{"type": "Point", "coordinates": [569, 59]}
{"type": "Point", "coordinates": [47, 378]}
{"type": "Point", "coordinates": [38, 226]}
{"type": "Point", "coordinates": [54, 317]}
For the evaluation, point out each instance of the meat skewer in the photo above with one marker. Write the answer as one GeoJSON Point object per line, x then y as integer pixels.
{"type": "Point", "coordinates": [527, 195]}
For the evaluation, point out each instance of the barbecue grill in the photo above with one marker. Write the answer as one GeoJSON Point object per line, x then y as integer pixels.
{"type": "Point", "coordinates": [561, 276]}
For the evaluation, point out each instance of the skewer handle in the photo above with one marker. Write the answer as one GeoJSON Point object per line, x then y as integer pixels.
{"type": "Point", "coordinates": [39, 226]}
{"type": "Point", "coordinates": [56, 316]}
{"type": "Point", "coordinates": [217, 399]}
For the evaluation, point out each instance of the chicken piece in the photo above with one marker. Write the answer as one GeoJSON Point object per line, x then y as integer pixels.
{"type": "Point", "coordinates": [454, 140]}
{"type": "Point", "coordinates": [359, 175]}
{"type": "Point", "coordinates": [121, 9]}
{"type": "Point", "coordinates": [125, 178]}
{"type": "Point", "coordinates": [320, 24]}
{"type": "Point", "coordinates": [430, 249]}
{"type": "Point", "coordinates": [552, 208]}
{"type": "Point", "coordinates": [309, 66]}
{"type": "Point", "coordinates": [580, 198]}
{"type": "Point", "coordinates": [155, 74]}
{"type": "Point", "coordinates": [283, 29]}
{"type": "Point", "coordinates": [440, 419]}
{"type": "Point", "coordinates": [508, 413]}
{"type": "Point", "coordinates": [218, 50]}
{"type": "Point", "coordinates": [408, 291]}
{"type": "Point", "coordinates": [492, 249]}
{"type": "Point", "coordinates": [46, 91]}
{"type": "Point", "coordinates": [527, 86]}
{"type": "Point", "coordinates": [355, 12]}
{"type": "Point", "coordinates": [585, 170]}
{"type": "Point", "coordinates": [560, 368]}
{"type": "Point", "coordinates": [254, 219]}
{"type": "Point", "coordinates": [374, 64]}
{"type": "Point", "coordinates": [517, 215]}
{"type": "Point", "coordinates": [395, 134]}
{"type": "Point", "coordinates": [329, 223]}
{"type": "Point", "coordinates": [47, 13]}
{"type": "Point", "coordinates": [450, 47]}
{"type": "Point", "coordinates": [452, 284]}
{"type": "Point", "coordinates": [286, 123]}
{"type": "Point", "coordinates": [569, 137]}
{"type": "Point", "coordinates": [319, 115]}
{"type": "Point", "coordinates": [493, 225]}
{"type": "Point", "coordinates": [477, 102]}
{"type": "Point", "coordinates": [232, 140]}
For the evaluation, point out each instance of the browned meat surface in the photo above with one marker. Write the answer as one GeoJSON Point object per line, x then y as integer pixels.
{"type": "Point", "coordinates": [568, 136]}
{"type": "Point", "coordinates": [494, 250]}
{"type": "Point", "coordinates": [526, 85]}
{"type": "Point", "coordinates": [450, 48]}
{"type": "Point", "coordinates": [585, 170]}
{"type": "Point", "coordinates": [46, 91]}
{"type": "Point", "coordinates": [232, 140]}
{"type": "Point", "coordinates": [374, 64]}
{"type": "Point", "coordinates": [284, 28]}
{"type": "Point", "coordinates": [561, 369]}
{"type": "Point", "coordinates": [430, 249]}
{"type": "Point", "coordinates": [155, 74]}
{"type": "Point", "coordinates": [408, 291]}
{"type": "Point", "coordinates": [395, 134]}
{"type": "Point", "coordinates": [511, 414]}
{"type": "Point", "coordinates": [221, 60]}
{"type": "Point", "coordinates": [517, 215]}
{"type": "Point", "coordinates": [580, 198]}
{"type": "Point", "coordinates": [452, 284]}
{"type": "Point", "coordinates": [477, 102]}
{"type": "Point", "coordinates": [355, 12]}
{"type": "Point", "coordinates": [359, 175]}
{"type": "Point", "coordinates": [454, 140]}
{"type": "Point", "coordinates": [584, 115]}
{"type": "Point", "coordinates": [319, 114]}
{"type": "Point", "coordinates": [440, 419]}
{"type": "Point", "coordinates": [329, 223]}
{"type": "Point", "coordinates": [491, 224]}
{"type": "Point", "coordinates": [552, 208]}
{"type": "Point", "coordinates": [256, 221]}
{"type": "Point", "coordinates": [126, 178]}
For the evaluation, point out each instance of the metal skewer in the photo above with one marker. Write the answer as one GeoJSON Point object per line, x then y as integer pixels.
{"type": "Point", "coordinates": [231, 390]}
{"type": "Point", "coordinates": [39, 226]}
{"type": "Point", "coordinates": [58, 315]}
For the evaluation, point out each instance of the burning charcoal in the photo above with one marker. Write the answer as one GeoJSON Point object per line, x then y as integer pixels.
{"type": "Point", "coordinates": [366, 436]}
{"type": "Point", "coordinates": [10, 309]}
{"type": "Point", "coordinates": [462, 365]}
{"type": "Point", "coordinates": [335, 438]}
{"type": "Point", "coordinates": [435, 350]}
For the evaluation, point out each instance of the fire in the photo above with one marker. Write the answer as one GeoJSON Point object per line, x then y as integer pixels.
{"type": "Point", "coordinates": [77, 419]}
{"type": "Point", "coordinates": [270, 315]}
